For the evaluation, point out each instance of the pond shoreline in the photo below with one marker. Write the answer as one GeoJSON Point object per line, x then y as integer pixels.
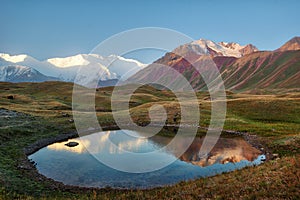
{"type": "Point", "coordinates": [29, 166]}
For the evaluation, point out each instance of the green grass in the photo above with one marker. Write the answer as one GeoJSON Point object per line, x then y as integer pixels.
{"type": "Point", "coordinates": [274, 118]}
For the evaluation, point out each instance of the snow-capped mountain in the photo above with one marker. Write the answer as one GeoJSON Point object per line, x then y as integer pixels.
{"type": "Point", "coordinates": [208, 47]}
{"type": "Point", "coordinates": [13, 59]}
{"type": "Point", "coordinates": [70, 61]}
{"type": "Point", "coordinates": [90, 66]}
{"type": "Point", "coordinates": [20, 73]}
{"type": "Point", "coordinates": [239, 69]}
{"type": "Point", "coordinates": [25, 60]}
{"type": "Point", "coordinates": [117, 65]}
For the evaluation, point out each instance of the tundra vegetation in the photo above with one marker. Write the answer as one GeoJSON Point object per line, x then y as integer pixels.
{"type": "Point", "coordinates": [30, 112]}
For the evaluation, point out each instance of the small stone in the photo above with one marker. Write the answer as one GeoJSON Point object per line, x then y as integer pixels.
{"type": "Point", "coordinates": [10, 97]}
{"type": "Point", "coordinates": [275, 155]}
{"type": "Point", "coordinates": [24, 167]}
{"type": "Point", "coordinates": [65, 115]}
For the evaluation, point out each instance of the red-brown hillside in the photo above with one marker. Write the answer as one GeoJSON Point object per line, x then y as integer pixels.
{"type": "Point", "coordinates": [278, 69]}
{"type": "Point", "coordinates": [293, 44]}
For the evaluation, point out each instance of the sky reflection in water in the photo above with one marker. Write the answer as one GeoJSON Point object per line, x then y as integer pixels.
{"type": "Point", "coordinates": [79, 166]}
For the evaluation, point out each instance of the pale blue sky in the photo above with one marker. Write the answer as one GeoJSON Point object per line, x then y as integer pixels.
{"type": "Point", "coordinates": [52, 28]}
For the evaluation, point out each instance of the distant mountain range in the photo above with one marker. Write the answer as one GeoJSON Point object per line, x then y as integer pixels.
{"type": "Point", "coordinates": [12, 68]}
{"type": "Point", "coordinates": [202, 47]}
{"type": "Point", "coordinates": [241, 67]}
{"type": "Point", "coordinates": [18, 73]}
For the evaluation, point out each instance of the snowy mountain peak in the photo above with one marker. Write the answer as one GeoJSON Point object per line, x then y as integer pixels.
{"type": "Point", "coordinates": [19, 73]}
{"type": "Point", "coordinates": [69, 61]}
{"type": "Point", "coordinates": [203, 46]}
{"type": "Point", "coordinates": [138, 63]}
{"type": "Point", "coordinates": [92, 66]}
{"type": "Point", "coordinates": [13, 59]}
{"type": "Point", "coordinates": [231, 45]}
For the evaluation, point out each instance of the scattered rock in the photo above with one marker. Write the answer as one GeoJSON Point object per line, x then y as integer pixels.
{"type": "Point", "coordinates": [176, 117]}
{"type": "Point", "coordinates": [71, 120]}
{"type": "Point", "coordinates": [65, 115]}
{"type": "Point", "coordinates": [32, 162]}
{"type": "Point", "coordinates": [24, 167]}
{"type": "Point", "coordinates": [72, 144]}
{"type": "Point", "coordinates": [275, 155]}
{"type": "Point", "coordinates": [10, 97]}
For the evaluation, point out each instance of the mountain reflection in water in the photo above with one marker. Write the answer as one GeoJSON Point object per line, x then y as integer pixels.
{"type": "Point", "coordinates": [78, 165]}
{"type": "Point", "coordinates": [226, 149]}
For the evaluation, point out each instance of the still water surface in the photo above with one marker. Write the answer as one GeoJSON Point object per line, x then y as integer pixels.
{"type": "Point", "coordinates": [78, 166]}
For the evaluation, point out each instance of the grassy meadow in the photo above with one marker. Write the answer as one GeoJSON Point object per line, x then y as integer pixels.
{"type": "Point", "coordinates": [44, 110]}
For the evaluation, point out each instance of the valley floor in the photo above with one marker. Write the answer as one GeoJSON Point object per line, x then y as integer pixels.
{"type": "Point", "coordinates": [44, 111]}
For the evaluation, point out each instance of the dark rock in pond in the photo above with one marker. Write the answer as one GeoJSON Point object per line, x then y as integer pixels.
{"type": "Point", "coordinates": [72, 144]}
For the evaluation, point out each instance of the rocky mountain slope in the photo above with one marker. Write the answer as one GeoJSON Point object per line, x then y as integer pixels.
{"type": "Point", "coordinates": [208, 47]}
{"type": "Point", "coordinates": [279, 69]}
{"type": "Point", "coordinates": [20, 73]}
{"type": "Point", "coordinates": [291, 45]}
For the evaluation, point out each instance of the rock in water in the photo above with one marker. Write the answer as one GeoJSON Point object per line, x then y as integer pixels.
{"type": "Point", "coordinates": [72, 144]}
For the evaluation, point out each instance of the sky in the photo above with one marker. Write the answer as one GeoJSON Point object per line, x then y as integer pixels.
{"type": "Point", "coordinates": [59, 28]}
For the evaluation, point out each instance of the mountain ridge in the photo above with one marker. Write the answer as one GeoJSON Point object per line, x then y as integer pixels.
{"type": "Point", "coordinates": [66, 68]}
{"type": "Point", "coordinates": [242, 67]}
{"type": "Point", "coordinates": [293, 44]}
{"type": "Point", "coordinates": [252, 71]}
{"type": "Point", "coordinates": [18, 73]}
{"type": "Point", "coordinates": [208, 47]}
